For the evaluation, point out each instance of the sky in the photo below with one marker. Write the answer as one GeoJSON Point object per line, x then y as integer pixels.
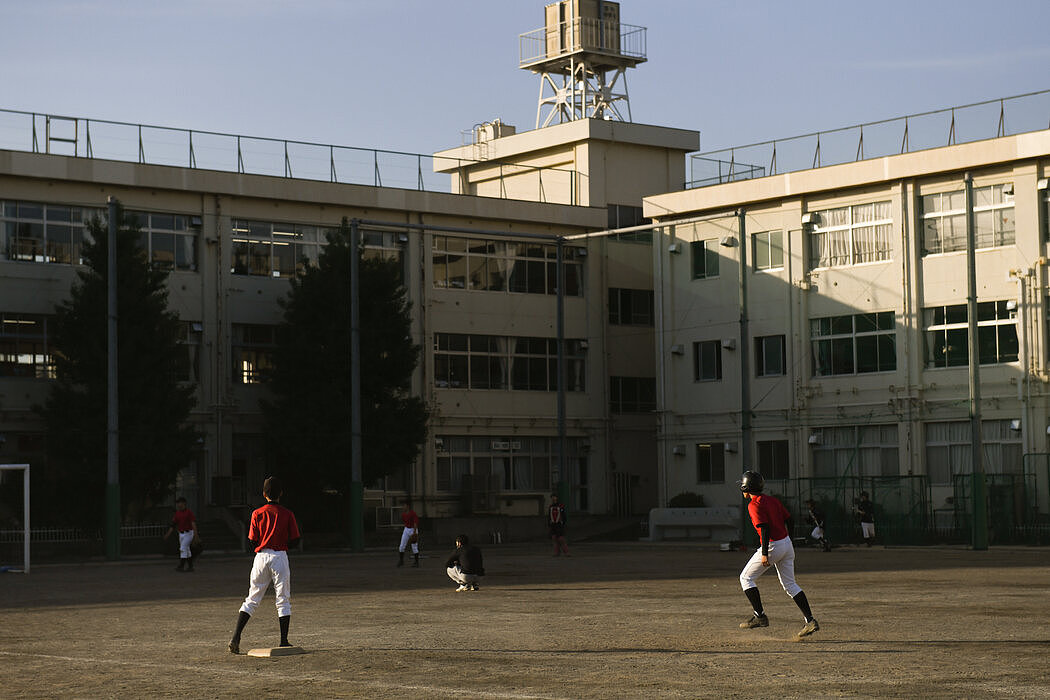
{"type": "Point", "coordinates": [412, 75]}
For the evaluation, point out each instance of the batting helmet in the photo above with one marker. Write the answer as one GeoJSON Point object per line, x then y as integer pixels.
{"type": "Point", "coordinates": [752, 482]}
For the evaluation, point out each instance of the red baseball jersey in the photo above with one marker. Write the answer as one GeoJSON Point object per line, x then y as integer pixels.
{"type": "Point", "coordinates": [272, 527]}
{"type": "Point", "coordinates": [183, 520]}
{"type": "Point", "coordinates": [410, 519]}
{"type": "Point", "coordinates": [769, 511]}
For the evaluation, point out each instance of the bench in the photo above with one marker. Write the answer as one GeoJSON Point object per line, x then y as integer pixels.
{"type": "Point", "coordinates": [694, 523]}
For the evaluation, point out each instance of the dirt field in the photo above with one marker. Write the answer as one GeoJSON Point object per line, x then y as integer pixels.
{"type": "Point", "coordinates": [627, 620]}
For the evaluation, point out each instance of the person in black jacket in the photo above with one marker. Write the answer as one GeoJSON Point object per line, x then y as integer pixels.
{"type": "Point", "coordinates": [464, 566]}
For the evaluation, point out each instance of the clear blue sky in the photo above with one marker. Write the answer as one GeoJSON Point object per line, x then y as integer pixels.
{"type": "Point", "coordinates": [410, 75]}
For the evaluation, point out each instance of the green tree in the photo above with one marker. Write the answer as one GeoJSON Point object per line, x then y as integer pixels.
{"type": "Point", "coordinates": [309, 417]}
{"type": "Point", "coordinates": [154, 404]}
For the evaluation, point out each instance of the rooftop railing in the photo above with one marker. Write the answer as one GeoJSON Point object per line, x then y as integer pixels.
{"type": "Point", "coordinates": [1005, 116]}
{"type": "Point", "coordinates": [591, 35]}
{"type": "Point", "coordinates": [253, 155]}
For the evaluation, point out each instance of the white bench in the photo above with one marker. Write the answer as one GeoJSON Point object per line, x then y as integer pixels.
{"type": "Point", "coordinates": [694, 523]}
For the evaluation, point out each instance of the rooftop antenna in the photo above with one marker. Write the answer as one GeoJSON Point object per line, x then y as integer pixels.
{"type": "Point", "coordinates": [582, 54]}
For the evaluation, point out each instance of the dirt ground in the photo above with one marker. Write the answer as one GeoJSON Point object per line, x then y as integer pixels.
{"type": "Point", "coordinates": [623, 620]}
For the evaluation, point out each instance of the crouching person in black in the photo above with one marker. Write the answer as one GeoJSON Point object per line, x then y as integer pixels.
{"type": "Point", "coordinates": [465, 565]}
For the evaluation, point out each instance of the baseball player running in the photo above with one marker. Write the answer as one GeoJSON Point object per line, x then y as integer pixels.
{"type": "Point", "coordinates": [768, 515]}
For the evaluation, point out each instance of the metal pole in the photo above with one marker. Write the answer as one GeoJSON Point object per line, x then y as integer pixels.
{"type": "Point", "coordinates": [745, 364]}
{"type": "Point", "coordinates": [980, 504]}
{"type": "Point", "coordinates": [562, 484]}
{"type": "Point", "coordinates": [112, 419]}
{"type": "Point", "coordinates": [357, 491]}
{"type": "Point", "coordinates": [27, 535]}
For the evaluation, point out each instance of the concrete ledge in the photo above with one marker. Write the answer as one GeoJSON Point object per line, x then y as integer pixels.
{"type": "Point", "coordinates": [694, 523]}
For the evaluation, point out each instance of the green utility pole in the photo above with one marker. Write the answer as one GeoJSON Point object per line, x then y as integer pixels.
{"type": "Point", "coordinates": [978, 490]}
{"type": "Point", "coordinates": [112, 421]}
{"type": "Point", "coordinates": [357, 489]}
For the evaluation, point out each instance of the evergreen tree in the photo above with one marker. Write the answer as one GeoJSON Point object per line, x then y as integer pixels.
{"type": "Point", "coordinates": [154, 405]}
{"type": "Point", "coordinates": [309, 417]}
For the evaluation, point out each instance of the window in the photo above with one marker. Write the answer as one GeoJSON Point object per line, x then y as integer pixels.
{"type": "Point", "coordinates": [190, 338]}
{"type": "Point", "coordinates": [625, 216]}
{"type": "Point", "coordinates": [773, 461]}
{"type": "Point", "coordinates": [707, 361]}
{"type": "Point", "coordinates": [851, 235]}
{"type": "Point", "coordinates": [24, 350]}
{"type": "Point", "coordinates": [44, 233]}
{"type": "Point", "coordinates": [504, 463]}
{"type": "Point", "coordinates": [630, 307]}
{"type": "Point", "coordinates": [704, 259]}
{"type": "Point", "coordinates": [949, 449]}
{"type": "Point", "coordinates": [1046, 214]}
{"type": "Point", "coordinates": [464, 361]}
{"type": "Point", "coordinates": [947, 339]}
{"type": "Point", "coordinates": [267, 249]}
{"type": "Point", "coordinates": [632, 394]}
{"type": "Point", "coordinates": [253, 347]}
{"type": "Point", "coordinates": [710, 463]}
{"type": "Point", "coordinates": [502, 266]}
{"type": "Point", "coordinates": [769, 356]}
{"type": "Point", "coordinates": [864, 450]}
{"type": "Point", "coordinates": [170, 241]}
{"type": "Point", "coordinates": [853, 344]}
{"type": "Point", "coordinates": [944, 219]}
{"type": "Point", "coordinates": [768, 250]}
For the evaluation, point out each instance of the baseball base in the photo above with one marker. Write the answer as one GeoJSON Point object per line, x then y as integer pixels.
{"type": "Point", "coordinates": [276, 651]}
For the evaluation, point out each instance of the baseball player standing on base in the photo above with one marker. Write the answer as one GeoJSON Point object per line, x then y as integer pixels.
{"type": "Point", "coordinates": [273, 529]}
{"type": "Point", "coordinates": [768, 515]}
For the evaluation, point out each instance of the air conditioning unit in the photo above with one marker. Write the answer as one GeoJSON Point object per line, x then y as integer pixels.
{"type": "Point", "coordinates": [729, 343]}
{"type": "Point", "coordinates": [816, 439]}
{"type": "Point", "coordinates": [678, 349]}
{"type": "Point", "coordinates": [730, 447]}
{"type": "Point", "coordinates": [678, 450]}
{"type": "Point", "coordinates": [675, 248]}
{"type": "Point", "coordinates": [811, 218]}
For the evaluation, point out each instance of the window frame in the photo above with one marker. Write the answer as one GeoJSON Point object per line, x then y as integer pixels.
{"type": "Point", "coordinates": [956, 215]}
{"type": "Point", "coordinates": [763, 241]}
{"type": "Point", "coordinates": [710, 462]}
{"type": "Point", "coordinates": [762, 368]}
{"type": "Point", "coordinates": [955, 324]}
{"type": "Point", "coordinates": [701, 251]}
{"type": "Point", "coordinates": [827, 348]}
{"type": "Point", "coordinates": [699, 374]}
{"type": "Point", "coordinates": [852, 240]}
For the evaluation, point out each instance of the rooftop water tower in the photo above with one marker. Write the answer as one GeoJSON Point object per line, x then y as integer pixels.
{"type": "Point", "coordinates": [582, 54]}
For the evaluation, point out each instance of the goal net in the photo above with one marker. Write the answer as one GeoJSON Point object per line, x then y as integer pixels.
{"type": "Point", "coordinates": [14, 518]}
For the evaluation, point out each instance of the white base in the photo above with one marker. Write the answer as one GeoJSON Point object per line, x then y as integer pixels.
{"type": "Point", "coordinates": [276, 651]}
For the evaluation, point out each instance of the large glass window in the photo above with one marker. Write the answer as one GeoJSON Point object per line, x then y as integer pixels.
{"type": "Point", "coordinates": [770, 359]}
{"type": "Point", "coordinates": [851, 235]}
{"type": "Point", "coordinates": [632, 394]}
{"type": "Point", "coordinates": [464, 361]}
{"type": "Point", "coordinates": [949, 449]}
{"type": "Point", "coordinates": [947, 339]}
{"type": "Point", "coordinates": [853, 344]}
{"type": "Point", "coordinates": [267, 249]}
{"type": "Point", "coordinates": [855, 450]}
{"type": "Point", "coordinates": [503, 463]}
{"type": "Point", "coordinates": [630, 307]}
{"type": "Point", "coordinates": [704, 255]}
{"type": "Point", "coordinates": [944, 219]}
{"type": "Point", "coordinates": [24, 350]}
{"type": "Point", "coordinates": [44, 233]}
{"type": "Point", "coordinates": [707, 361]}
{"type": "Point", "coordinates": [774, 460]}
{"type": "Point", "coordinates": [768, 250]}
{"type": "Point", "coordinates": [625, 216]}
{"type": "Point", "coordinates": [710, 463]}
{"type": "Point", "coordinates": [504, 266]}
{"type": "Point", "coordinates": [253, 348]}
{"type": "Point", "coordinates": [170, 240]}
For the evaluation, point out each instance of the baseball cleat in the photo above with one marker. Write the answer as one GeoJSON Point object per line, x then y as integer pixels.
{"type": "Point", "coordinates": [755, 621]}
{"type": "Point", "coordinates": [463, 587]}
{"type": "Point", "coordinates": [810, 627]}
{"type": "Point", "coordinates": [474, 587]}
{"type": "Point", "coordinates": [234, 648]}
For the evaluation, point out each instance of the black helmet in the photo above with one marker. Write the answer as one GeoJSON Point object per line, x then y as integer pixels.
{"type": "Point", "coordinates": [752, 482]}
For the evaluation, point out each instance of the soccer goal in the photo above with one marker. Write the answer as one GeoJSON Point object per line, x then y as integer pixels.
{"type": "Point", "coordinates": [14, 518]}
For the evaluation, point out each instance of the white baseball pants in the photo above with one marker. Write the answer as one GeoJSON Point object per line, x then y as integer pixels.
{"type": "Point", "coordinates": [867, 530]}
{"type": "Point", "coordinates": [185, 538]}
{"type": "Point", "coordinates": [270, 565]}
{"type": "Point", "coordinates": [456, 574]}
{"type": "Point", "coordinates": [781, 557]}
{"type": "Point", "coordinates": [405, 534]}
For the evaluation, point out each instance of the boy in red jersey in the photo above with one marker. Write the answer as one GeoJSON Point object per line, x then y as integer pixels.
{"type": "Point", "coordinates": [409, 535]}
{"type": "Point", "coordinates": [768, 515]}
{"type": "Point", "coordinates": [273, 529]}
{"type": "Point", "coordinates": [184, 523]}
{"type": "Point", "coordinates": [556, 525]}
